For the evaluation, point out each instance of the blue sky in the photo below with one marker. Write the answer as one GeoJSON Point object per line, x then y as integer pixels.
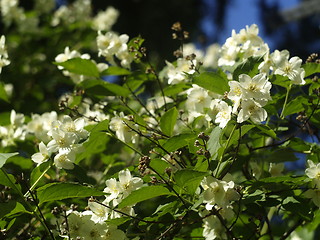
{"type": "Point", "coordinates": [241, 13]}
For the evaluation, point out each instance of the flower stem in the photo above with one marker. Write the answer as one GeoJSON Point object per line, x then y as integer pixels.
{"type": "Point", "coordinates": [285, 102]}
{"type": "Point", "coordinates": [225, 148]}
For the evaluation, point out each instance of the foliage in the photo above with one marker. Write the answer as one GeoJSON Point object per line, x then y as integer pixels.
{"type": "Point", "coordinates": [97, 143]}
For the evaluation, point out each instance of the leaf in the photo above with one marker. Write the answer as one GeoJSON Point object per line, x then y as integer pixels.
{"type": "Point", "coordinates": [214, 141]}
{"type": "Point", "coordinates": [81, 174]}
{"type": "Point", "coordinates": [212, 81]}
{"type": "Point", "coordinates": [3, 93]}
{"type": "Point", "coordinates": [173, 90]}
{"type": "Point", "coordinates": [168, 120]}
{"type": "Point", "coordinates": [11, 182]}
{"type": "Point", "coordinates": [61, 190]}
{"type": "Point", "coordinates": [7, 207]}
{"type": "Point", "coordinates": [98, 87]}
{"type": "Point", "coordinates": [267, 131]}
{"type": "Point", "coordinates": [4, 157]}
{"type": "Point", "coordinates": [281, 155]}
{"type": "Point", "coordinates": [143, 194]}
{"type": "Point", "coordinates": [115, 71]}
{"type": "Point", "coordinates": [249, 67]}
{"type": "Point", "coordinates": [311, 68]}
{"type": "Point", "coordinates": [280, 80]}
{"type": "Point", "coordinates": [80, 66]}
{"type": "Point", "coordinates": [176, 142]}
{"type": "Point", "coordinates": [189, 179]}
{"type": "Point", "coordinates": [17, 210]}
{"type": "Point", "coordinates": [295, 106]}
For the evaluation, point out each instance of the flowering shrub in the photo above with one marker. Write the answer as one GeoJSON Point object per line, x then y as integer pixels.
{"type": "Point", "coordinates": [196, 150]}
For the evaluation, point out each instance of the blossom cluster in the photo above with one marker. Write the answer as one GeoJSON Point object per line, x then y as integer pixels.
{"type": "Point", "coordinates": [217, 194]}
{"type": "Point", "coordinates": [91, 224]}
{"type": "Point", "coordinates": [65, 138]}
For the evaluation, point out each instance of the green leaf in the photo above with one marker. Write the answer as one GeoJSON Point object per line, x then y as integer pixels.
{"type": "Point", "coordinates": [143, 194]}
{"type": "Point", "coordinates": [281, 155]}
{"type": "Point", "coordinates": [280, 80]}
{"type": "Point", "coordinates": [267, 131]}
{"type": "Point", "coordinates": [214, 141]}
{"type": "Point", "coordinates": [189, 179]}
{"type": "Point", "coordinates": [80, 66]}
{"type": "Point", "coordinates": [4, 157]}
{"type": "Point", "coordinates": [295, 106]}
{"type": "Point", "coordinates": [176, 142]}
{"type": "Point", "coordinates": [81, 174]}
{"type": "Point", "coordinates": [98, 87]}
{"type": "Point", "coordinates": [173, 90]}
{"type": "Point", "coordinates": [212, 81]}
{"type": "Point", "coordinates": [8, 180]}
{"type": "Point", "coordinates": [3, 93]}
{"type": "Point", "coordinates": [61, 190]}
{"type": "Point", "coordinates": [249, 67]}
{"type": "Point", "coordinates": [6, 207]}
{"type": "Point", "coordinates": [168, 120]}
{"type": "Point", "coordinates": [17, 210]}
{"type": "Point", "coordinates": [115, 71]}
{"type": "Point", "coordinates": [311, 68]}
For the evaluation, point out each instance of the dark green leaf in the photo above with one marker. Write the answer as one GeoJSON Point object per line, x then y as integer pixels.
{"type": "Point", "coordinates": [6, 207]}
{"type": "Point", "coordinates": [101, 88]}
{"type": "Point", "coordinates": [212, 81]}
{"type": "Point", "coordinates": [144, 193]}
{"type": "Point", "coordinates": [115, 71]}
{"type": "Point", "coordinates": [80, 66]}
{"type": "Point", "coordinates": [267, 131]}
{"type": "Point", "coordinates": [168, 120]}
{"type": "Point", "coordinates": [4, 157]}
{"type": "Point", "coordinates": [189, 179]}
{"type": "Point", "coordinates": [8, 180]}
{"type": "Point", "coordinates": [249, 67]}
{"type": "Point", "coordinates": [59, 191]}
{"type": "Point", "coordinates": [3, 93]}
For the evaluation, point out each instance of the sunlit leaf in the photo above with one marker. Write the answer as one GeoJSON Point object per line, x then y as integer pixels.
{"type": "Point", "coordinates": [59, 191]}
{"type": "Point", "coordinates": [143, 194]}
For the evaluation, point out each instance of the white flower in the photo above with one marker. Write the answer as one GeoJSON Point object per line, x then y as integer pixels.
{"type": "Point", "coordinates": [113, 187]}
{"type": "Point", "coordinates": [64, 159]}
{"type": "Point", "coordinates": [314, 195]}
{"type": "Point", "coordinates": [212, 227]}
{"type": "Point", "coordinates": [104, 20]}
{"type": "Point", "coordinates": [253, 110]}
{"type": "Point", "coordinates": [40, 125]}
{"type": "Point", "coordinates": [177, 74]}
{"type": "Point", "coordinates": [218, 192]}
{"type": "Point", "coordinates": [16, 119]}
{"type": "Point", "coordinates": [62, 57]}
{"type": "Point", "coordinates": [75, 127]}
{"type": "Point", "coordinates": [313, 172]}
{"type": "Point", "coordinates": [100, 212]}
{"type": "Point", "coordinates": [4, 61]}
{"type": "Point", "coordinates": [61, 139]}
{"type": "Point", "coordinates": [257, 88]}
{"type": "Point", "coordinates": [123, 128]}
{"type": "Point", "coordinates": [43, 154]}
{"type": "Point", "coordinates": [198, 99]}
{"type": "Point", "coordinates": [128, 183]}
{"type": "Point", "coordinates": [276, 169]}
{"type": "Point", "coordinates": [292, 69]}
{"type": "Point", "coordinates": [224, 112]}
